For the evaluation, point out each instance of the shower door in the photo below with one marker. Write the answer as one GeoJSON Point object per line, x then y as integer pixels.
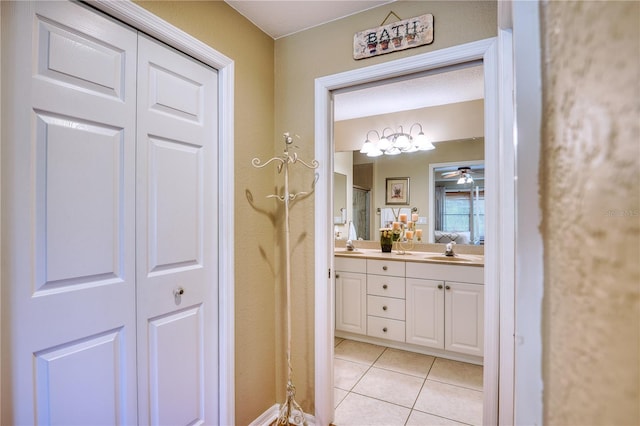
{"type": "Point", "coordinates": [362, 212]}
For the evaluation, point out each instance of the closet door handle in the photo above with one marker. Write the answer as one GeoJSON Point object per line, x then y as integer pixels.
{"type": "Point", "coordinates": [447, 287]}
{"type": "Point", "coordinates": [337, 275]}
{"type": "Point", "coordinates": [439, 286]}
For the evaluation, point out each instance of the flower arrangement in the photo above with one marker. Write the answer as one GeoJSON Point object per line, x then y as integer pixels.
{"type": "Point", "coordinates": [387, 237]}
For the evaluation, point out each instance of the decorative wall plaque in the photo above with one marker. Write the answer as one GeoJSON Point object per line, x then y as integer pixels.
{"type": "Point", "coordinates": [400, 35]}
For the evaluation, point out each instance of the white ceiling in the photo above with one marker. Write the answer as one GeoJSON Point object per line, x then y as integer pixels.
{"type": "Point", "coordinates": [282, 18]}
{"type": "Point", "coordinates": [459, 85]}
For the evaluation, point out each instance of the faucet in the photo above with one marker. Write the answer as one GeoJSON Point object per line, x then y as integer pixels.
{"type": "Point", "coordinates": [449, 249]}
{"type": "Point", "coordinates": [350, 246]}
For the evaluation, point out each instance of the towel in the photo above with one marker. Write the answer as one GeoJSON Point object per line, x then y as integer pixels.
{"type": "Point", "coordinates": [352, 231]}
{"type": "Point", "coordinates": [387, 217]}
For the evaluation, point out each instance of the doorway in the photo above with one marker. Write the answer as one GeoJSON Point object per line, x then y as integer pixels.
{"type": "Point", "coordinates": [485, 51]}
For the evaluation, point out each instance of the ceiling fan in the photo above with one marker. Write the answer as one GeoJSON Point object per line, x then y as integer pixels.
{"type": "Point", "coordinates": [464, 173]}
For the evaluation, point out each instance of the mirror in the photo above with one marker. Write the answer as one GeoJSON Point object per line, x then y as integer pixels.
{"type": "Point", "coordinates": [450, 110]}
{"type": "Point", "coordinates": [339, 199]}
{"type": "Point", "coordinates": [420, 168]}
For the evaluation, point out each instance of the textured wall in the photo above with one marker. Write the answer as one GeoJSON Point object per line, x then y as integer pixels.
{"type": "Point", "coordinates": [322, 51]}
{"type": "Point", "coordinates": [220, 26]}
{"type": "Point", "coordinates": [591, 209]}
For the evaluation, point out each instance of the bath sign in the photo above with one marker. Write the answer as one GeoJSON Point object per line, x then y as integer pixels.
{"type": "Point", "coordinates": [400, 35]}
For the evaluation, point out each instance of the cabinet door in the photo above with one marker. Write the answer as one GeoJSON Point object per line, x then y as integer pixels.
{"type": "Point", "coordinates": [351, 302]}
{"type": "Point", "coordinates": [464, 323]}
{"type": "Point", "coordinates": [425, 312]}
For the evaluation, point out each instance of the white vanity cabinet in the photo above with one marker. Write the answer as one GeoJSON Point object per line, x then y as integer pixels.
{"type": "Point", "coordinates": [386, 299]}
{"type": "Point", "coordinates": [445, 307]}
{"type": "Point", "coordinates": [351, 295]}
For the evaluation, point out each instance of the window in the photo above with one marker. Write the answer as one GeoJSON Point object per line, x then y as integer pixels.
{"type": "Point", "coordinates": [464, 212]}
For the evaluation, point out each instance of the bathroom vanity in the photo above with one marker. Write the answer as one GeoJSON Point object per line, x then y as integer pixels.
{"type": "Point", "coordinates": [423, 302]}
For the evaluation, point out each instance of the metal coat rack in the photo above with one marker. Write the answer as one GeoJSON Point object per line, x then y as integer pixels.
{"type": "Point", "coordinates": [290, 411]}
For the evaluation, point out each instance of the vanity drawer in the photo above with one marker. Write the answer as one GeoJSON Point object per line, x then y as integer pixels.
{"type": "Point", "coordinates": [460, 273]}
{"type": "Point", "coordinates": [385, 328]}
{"type": "Point", "coordinates": [385, 267]}
{"type": "Point", "coordinates": [379, 285]}
{"type": "Point", "coordinates": [385, 307]}
{"type": "Point", "coordinates": [350, 265]}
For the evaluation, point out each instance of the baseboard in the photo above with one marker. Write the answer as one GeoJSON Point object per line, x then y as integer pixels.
{"type": "Point", "coordinates": [271, 415]}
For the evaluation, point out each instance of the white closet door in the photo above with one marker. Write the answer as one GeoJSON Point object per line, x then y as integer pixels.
{"type": "Point", "coordinates": [176, 237]}
{"type": "Point", "coordinates": [68, 216]}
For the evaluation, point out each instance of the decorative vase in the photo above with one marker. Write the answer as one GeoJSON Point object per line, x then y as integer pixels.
{"type": "Point", "coordinates": [386, 240]}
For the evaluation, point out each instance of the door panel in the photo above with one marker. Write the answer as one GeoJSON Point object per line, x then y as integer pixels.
{"type": "Point", "coordinates": [425, 312]}
{"type": "Point", "coordinates": [175, 197]}
{"type": "Point", "coordinates": [68, 216]}
{"type": "Point", "coordinates": [176, 234]}
{"type": "Point", "coordinates": [81, 197]}
{"type": "Point", "coordinates": [176, 360]}
{"type": "Point", "coordinates": [62, 386]}
{"type": "Point", "coordinates": [464, 307]}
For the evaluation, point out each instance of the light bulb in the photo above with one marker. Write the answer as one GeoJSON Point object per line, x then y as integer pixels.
{"type": "Point", "coordinates": [422, 143]}
{"type": "Point", "coordinates": [393, 151]}
{"type": "Point", "coordinates": [368, 145]}
{"type": "Point", "coordinates": [402, 142]}
{"type": "Point", "coordinates": [384, 144]}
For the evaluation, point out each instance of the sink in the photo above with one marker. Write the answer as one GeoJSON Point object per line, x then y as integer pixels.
{"type": "Point", "coordinates": [443, 258]}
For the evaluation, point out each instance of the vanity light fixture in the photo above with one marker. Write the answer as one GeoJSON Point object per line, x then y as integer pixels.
{"type": "Point", "coordinates": [396, 143]}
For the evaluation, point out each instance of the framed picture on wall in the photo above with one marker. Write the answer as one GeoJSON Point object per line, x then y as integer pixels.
{"type": "Point", "coordinates": [397, 191]}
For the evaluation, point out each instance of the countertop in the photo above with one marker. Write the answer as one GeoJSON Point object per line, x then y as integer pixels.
{"type": "Point", "coordinates": [413, 256]}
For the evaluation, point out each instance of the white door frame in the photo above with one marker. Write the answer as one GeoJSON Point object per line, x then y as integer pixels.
{"type": "Point", "coordinates": [499, 161]}
{"type": "Point", "coordinates": [143, 20]}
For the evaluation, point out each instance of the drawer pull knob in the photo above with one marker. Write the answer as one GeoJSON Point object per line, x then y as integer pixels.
{"type": "Point", "coordinates": [384, 286]}
{"type": "Point", "coordinates": [447, 287]}
{"type": "Point", "coordinates": [384, 268]}
{"type": "Point", "coordinates": [439, 286]}
{"type": "Point", "coordinates": [384, 308]}
{"type": "Point", "coordinates": [384, 329]}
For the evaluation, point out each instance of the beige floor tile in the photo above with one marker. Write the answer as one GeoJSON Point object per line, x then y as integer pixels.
{"type": "Point", "coordinates": [405, 362]}
{"type": "Point", "coordinates": [338, 396]}
{"type": "Point", "coordinates": [358, 410]}
{"type": "Point", "coordinates": [397, 388]}
{"type": "Point", "coordinates": [346, 373]}
{"type": "Point", "coordinates": [364, 353]}
{"type": "Point", "coordinates": [418, 418]}
{"type": "Point", "coordinates": [337, 341]}
{"type": "Point", "coordinates": [457, 373]}
{"type": "Point", "coordinates": [452, 402]}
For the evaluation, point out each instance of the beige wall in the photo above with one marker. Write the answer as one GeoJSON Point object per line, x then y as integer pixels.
{"type": "Point", "coordinates": [322, 51]}
{"type": "Point", "coordinates": [439, 123]}
{"type": "Point", "coordinates": [591, 212]}
{"type": "Point", "coordinates": [220, 26]}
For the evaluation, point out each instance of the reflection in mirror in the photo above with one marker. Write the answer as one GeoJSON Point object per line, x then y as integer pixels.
{"type": "Point", "coordinates": [456, 200]}
{"type": "Point", "coordinates": [339, 199]}
{"type": "Point", "coordinates": [368, 176]}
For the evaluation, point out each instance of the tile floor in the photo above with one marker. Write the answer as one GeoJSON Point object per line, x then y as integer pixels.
{"type": "Point", "coordinates": [375, 385]}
